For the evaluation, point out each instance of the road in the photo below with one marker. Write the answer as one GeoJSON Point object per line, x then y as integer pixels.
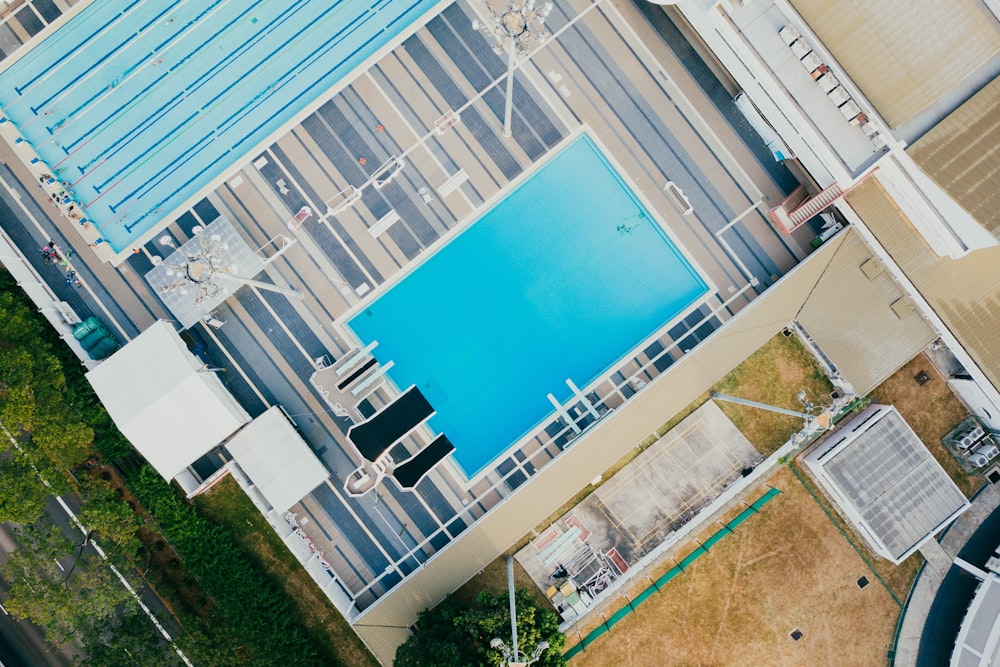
{"type": "Point", "coordinates": [22, 644]}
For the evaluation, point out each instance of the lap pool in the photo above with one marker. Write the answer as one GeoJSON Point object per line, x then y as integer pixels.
{"type": "Point", "coordinates": [138, 104]}
{"type": "Point", "coordinates": [561, 279]}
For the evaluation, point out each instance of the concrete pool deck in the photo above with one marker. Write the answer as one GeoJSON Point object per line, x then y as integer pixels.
{"type": "Point", "coordinates": [609, 71]}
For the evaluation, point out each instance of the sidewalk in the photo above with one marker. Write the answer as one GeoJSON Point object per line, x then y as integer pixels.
{"type": "Point", "coordinates": [929, 579]}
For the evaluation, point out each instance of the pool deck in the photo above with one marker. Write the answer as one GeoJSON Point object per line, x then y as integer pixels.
{"type": "Point", "coordinates": [20, 20]}
{"type": "Point", "coordinates": [608, 71]}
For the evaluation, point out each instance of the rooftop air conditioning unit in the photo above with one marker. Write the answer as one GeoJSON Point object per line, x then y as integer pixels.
{"type": "Point", "coordinates": [983, 455]}
{"type": "Point", "coordinates": [968, 440]}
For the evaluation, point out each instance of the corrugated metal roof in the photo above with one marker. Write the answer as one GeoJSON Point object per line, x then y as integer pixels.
{"type": "Point", "coordinates": [965, 293]}
{"type": "Point", "coordinates": [853, 317]}
{"type": "Point", "coordinates": [962, 155]}
{"type": "Point", "coordinates": [904, 54]}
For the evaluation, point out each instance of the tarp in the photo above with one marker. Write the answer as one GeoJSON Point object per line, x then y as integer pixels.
{"type": "Point", "coordinates": [170, 409]}
{"type": "Point", "coordinates": [276, 459]}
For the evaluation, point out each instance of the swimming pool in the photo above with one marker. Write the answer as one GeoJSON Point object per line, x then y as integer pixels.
{"type": "Point", "coordinates": [138, 104]}
{"type": "Point", "coordinates": [561, 279]}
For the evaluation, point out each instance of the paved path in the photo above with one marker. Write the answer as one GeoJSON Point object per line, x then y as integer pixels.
{"type": "Point", "coordinates": [916, 642]}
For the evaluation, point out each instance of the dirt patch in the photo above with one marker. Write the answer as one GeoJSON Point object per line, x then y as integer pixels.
{"type": "Point", "coordinates": [786, 568]}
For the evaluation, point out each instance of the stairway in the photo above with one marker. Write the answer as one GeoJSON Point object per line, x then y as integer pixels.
{"type": "Point", "coordinates": [798, 207]}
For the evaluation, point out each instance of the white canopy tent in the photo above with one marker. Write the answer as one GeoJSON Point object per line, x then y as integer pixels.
{"type": "Point", "coordinates": [164, 401]}
{"type": "Point", "coordinates": [276, 459]}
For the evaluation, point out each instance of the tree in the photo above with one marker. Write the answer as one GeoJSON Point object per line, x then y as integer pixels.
{"type": "Point", "coordinates": [108, 517]}
{"type": "Point", "coordinates": [56, 585]}
{"type": "Point", "coordinates": [451, 635]}
{"type": "Point", "coordinates": [22, 493]}
{"type": "Point", "coordinates": [63, 439]}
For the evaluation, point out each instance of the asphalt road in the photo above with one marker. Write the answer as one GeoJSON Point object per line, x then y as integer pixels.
{"type": "Point", "coordinates": [22, 644]}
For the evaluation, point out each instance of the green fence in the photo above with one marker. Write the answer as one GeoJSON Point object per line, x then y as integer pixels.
{"type": "Point", "coordinates": [631, 606]}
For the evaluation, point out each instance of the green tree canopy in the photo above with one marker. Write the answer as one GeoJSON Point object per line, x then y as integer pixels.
{"type": "Point", "coordinates": [22, 493]}
{"type": "Point", "coordinates": [109, 518]}
{"type": "Point", "coordinates": [56, 585]}
{"type": "Point", "coordinates": [452, 635]}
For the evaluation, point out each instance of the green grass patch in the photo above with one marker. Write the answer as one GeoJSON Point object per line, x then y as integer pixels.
{"type": "Point", "coordinates": [227, 505]}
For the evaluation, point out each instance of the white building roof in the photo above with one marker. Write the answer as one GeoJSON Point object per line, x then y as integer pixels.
{"type": "Point", "coordinates": [886, 482]}
{"type": "Point", "coordinates": [276, 459]}
{"type": "Point", "coordinates": [161, 400]}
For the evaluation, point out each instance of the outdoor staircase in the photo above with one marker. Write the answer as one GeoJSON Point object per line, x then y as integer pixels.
{"type": "Point", "coordinates": [799, 207]}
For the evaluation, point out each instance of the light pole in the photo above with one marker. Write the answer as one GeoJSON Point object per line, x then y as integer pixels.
{"type": "Point", "coordinates": [203, 268]}
{"type": "Point", "coordinates": [510, 653]}
{"type": "Point", "coordinates": [514, 29]}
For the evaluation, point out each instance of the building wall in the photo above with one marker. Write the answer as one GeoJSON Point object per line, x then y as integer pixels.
{"type": "Point", "coordinates": [384, 626]}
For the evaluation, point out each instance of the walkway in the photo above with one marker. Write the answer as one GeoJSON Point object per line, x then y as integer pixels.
{"type": "Point", "coordinates": [929, 629]}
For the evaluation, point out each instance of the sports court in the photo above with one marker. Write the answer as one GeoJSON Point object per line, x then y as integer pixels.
{"type": "Point", "coordinates": [638, 509]}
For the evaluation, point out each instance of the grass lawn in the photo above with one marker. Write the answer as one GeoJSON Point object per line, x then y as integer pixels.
{"type": "Point", "coordinates": [773, 374]}
{"type": "Point", "coordinates": [788, 567]}
{"type": "Point", "coordinates": [931, 410]}
{"type": "Point", "coordinates": [227, 505]}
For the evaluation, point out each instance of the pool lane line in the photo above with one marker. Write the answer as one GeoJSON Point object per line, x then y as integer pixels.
{"type": "Point", "coordinates": [218, 101]}
{"type": "Point", "coordinates": [266, 93]}
{"type": "Point", "coordinates": [70, 154]}
{"type": "Point", "coordinates": [48, 70]}
{"type": "Point", "coordinates": [133, 38]}
{"type": "Point", "coordinates": [93, 130]}
{"type": "Point", "coordinates": [197, 147]}
{"type": "Point", "coordinates": [159, 113]}
{"type": "Point", "coordinates": [313, 57]}
{"type": "Point", "coordinates": [171, 104]}
{"type": "Point", "coordinates": [85, 174]}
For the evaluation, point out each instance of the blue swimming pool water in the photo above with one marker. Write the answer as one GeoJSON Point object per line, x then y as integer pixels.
{"type": "Point", "coordinates": [559, 280]}
{"type": "Point", "coordinates": [138, 104]}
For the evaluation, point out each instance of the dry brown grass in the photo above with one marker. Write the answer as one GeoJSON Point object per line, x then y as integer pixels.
{"type": "Point", "coordinates": [785, 568]}
{"type": "Point", "coordinates": [773, 374]}
{"type": "Point", "coordinates": [226, 504]}
{"type": "Point", "coordinates": [931, 411]}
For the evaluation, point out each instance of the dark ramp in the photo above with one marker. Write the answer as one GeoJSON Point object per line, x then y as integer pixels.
{"type": "Point", "coordinates": [376, 435]}
{"type": "Point", "coordinates": [409, 473]}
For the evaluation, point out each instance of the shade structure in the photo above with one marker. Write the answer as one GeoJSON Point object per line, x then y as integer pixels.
{"type": "Point", "coordinates": [410, 472]}
{"type": "Point", "coordinates": [276, 459]}
{"type": "Point", "coordinates": [387, 426]}
{"type": "Point", "coordinates": [165, 401]}
{"type": "Point", "coordinates": [886, 482]}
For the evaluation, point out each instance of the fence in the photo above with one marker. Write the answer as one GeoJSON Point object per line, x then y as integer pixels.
{"type": "Point", "coordinates": [631, 605]}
